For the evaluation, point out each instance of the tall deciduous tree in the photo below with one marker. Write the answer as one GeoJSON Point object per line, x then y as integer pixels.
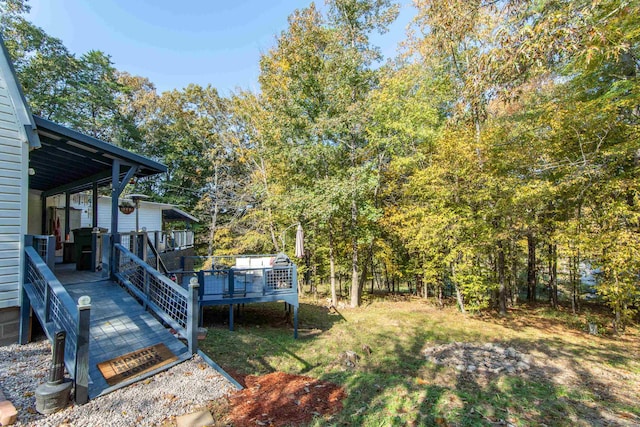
{"type": "Point", "coordinates": [352, 79]}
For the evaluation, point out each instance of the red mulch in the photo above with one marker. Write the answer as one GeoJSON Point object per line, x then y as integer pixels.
{"type": "Point", "coordinates": [280, 399]}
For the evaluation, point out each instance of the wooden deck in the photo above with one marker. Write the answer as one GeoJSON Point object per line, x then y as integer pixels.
{"type": "Point", "coordinates": [119, 325]}
{"type": "Point", "coordinates": [235, 286]}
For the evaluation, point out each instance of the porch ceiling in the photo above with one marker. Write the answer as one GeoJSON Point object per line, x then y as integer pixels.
{"type": "Point", "coordinates": [72, 161]}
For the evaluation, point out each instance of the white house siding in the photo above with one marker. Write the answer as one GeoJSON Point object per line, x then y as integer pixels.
{"type": "Point", "coordinates": [150, 216]}
{"type": "Point", "coordinates": [13, 196]}
{"type": "Point", "coordinates": [150, 213]}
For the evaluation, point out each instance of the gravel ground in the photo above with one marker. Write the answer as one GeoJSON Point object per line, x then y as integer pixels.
{"type": "Point", "coordinates": [185, 388]}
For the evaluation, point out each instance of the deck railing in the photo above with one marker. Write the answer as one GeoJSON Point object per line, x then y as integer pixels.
{"type": "Point", "coordinates": [177, 239]}
{"type": "Point", "coordinates": [45, 246]}
{"type": "Point", "coordinates": [57, 311]}
{"type": "Point", "coordinates": [238, 276]}
{"type": "Point", "coordinates": [176, 306]}
{"type": "Point", "coordinates": [163, 240]}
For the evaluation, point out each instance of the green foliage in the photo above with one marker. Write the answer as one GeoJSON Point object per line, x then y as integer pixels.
{"type": "Point", "coordinates": [501, 144]}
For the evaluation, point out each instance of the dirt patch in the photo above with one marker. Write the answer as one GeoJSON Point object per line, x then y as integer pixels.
{"type": "Point", "coordinates": [280, 399]}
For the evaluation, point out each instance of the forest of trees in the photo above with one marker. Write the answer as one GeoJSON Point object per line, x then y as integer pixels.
{"type": "Point", "coordinates": [495, 155]}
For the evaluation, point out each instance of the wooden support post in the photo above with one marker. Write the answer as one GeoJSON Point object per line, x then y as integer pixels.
{"type": "Point", "coordinates": [200, 275]}
{"type": "Point", "coordinates": [115, 194]}
{"type": "Point", "coordinates": [143, 250]}
{"type": "Point", "coordinates": [94, 225]}
{"type": "Point", "coordinates": [115, 256]}
{"type": "Point", "coordinates": [231, 317]}
{"type": "Point", "coordinates": [47, 303]}
{"type": "Point", "coordinates": [231, 278]}
{"type": "Point", "coordinates": [94, 249]}
{"type": "Point", "coordinates": [94, 205]}
{"type": "Point", "coordinates": [107, 254]}
{"type": "Point", "coordinates": [192, 315]}
{"type": "Point", "coordinates": [82, 351]}
{"type": "Point", "coordinates": [25, 316]}
{"type": "Point", "coordinates": [50, 257]}
{"type": "Point", "coordinates": [145, 290]}
{"type": "Point", "coordinates": [43, 213]}
{"type": "Point", "coordinates": [25, 303]}
{"type": "Point", "coordinates": [67, 215]}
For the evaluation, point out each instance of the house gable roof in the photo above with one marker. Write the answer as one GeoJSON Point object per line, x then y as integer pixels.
{"type": "Point", "coordinates": [23, 112]}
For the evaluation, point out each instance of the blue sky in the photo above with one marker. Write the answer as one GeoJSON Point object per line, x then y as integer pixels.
{"type": "Point", "coordinates": [175, 43]}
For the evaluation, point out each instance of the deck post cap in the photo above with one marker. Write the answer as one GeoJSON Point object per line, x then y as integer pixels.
{"type": "Point", "coordinates": [84, 302]}
{"type": "Point", "coordinates": [193, 282]}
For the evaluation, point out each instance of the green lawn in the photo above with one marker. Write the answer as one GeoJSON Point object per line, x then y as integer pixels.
{"type": "Point", "coordinates": [576, 379]}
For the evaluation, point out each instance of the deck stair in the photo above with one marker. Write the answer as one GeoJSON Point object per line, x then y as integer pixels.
{"type": "Point", "coordinates": [118, 321]}
{"type": "Point", "coordinates": [120, 325]}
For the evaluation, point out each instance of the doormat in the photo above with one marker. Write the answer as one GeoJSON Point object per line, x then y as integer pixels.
{"type": "Point", "coordinates": [135, 363]}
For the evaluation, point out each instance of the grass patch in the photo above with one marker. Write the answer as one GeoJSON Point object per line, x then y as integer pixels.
{"type": "Point", "coordinates": [391, 383]}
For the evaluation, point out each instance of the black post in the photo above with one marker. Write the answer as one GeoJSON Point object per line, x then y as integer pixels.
{"type": "Point", "coordinates": [115, 194]}
{"type": "Point", "coordinates": [67, 212]}
{"type": "Point", "coordinates": [56, 371]}
{"type": "Point", "coordinates": [54, 394]}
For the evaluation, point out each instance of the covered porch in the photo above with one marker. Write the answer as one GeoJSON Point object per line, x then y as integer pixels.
{"type": "Point", "coordinates": [69, 162]}
{"type": "Point", "coordinates": [119, 304]}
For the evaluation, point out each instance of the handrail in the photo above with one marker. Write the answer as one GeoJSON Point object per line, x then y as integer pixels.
{"type": "Point", "coordinates": [172, 303]}
{"type": "Point", "coordinates": [243, 281]}
{"type": "Point", "coordinates": [161, 266]}
{"type": "Point", "coordinates": [56, 310]}
{"type": "Point", "coordinates": [224, 261]}
{"type": "Point", "coordinates": [169, 240]}
{"type": "Point", "coordinates": [44, 246]}
{"type": "Point", "coordinates": [151, 270]}
{"type": "Point", "coordinates": [52, 282]}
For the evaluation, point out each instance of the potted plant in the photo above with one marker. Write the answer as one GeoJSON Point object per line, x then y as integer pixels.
{"type": "Point", "coordinates": [126, 206]}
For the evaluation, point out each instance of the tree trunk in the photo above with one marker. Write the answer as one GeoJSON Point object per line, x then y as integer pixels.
{"type": "Point", "coordinates": [573, 286]}
{"type": "Point", "coordinates": [332, 266]}
{"type": "Point", "coordinates": [514, 273]}
{"type": "Point", "coordinates": [214, 212]}
{"type": "Point", "coordinates": [531, 267]}
{"type": "Point", "coordinates": [386, 277]}
{"type": "Point", "coordinates": [502, 291]}
{"type": "Point", "coordinates": [356, 293]}
{"type": "Point", "coordinates": [459, 295]}
{"type": "Point", "coordinates": [574, 276]}
{"type": "Point", "coordinates": [459, 298]}
{"type": "Point", "coordinates": [553, 275]}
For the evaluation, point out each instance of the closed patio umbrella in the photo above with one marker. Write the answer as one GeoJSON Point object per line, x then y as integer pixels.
{"type": "Point", "coordinates": [299, 242]}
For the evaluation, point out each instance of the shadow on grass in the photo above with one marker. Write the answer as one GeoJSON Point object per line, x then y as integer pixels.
{"type": "Point", "coordinates": [311, 316]}
{"type": "Point", "coordinates": [393, 384]}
